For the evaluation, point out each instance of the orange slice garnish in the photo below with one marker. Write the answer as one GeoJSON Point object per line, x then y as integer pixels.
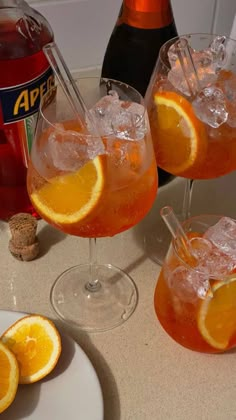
{"type": "Point", "coordinates": [181, 136]}
{"type": "Point", "coordinates": [69, 198]}
{"type": "Point", "coordinates": [9, 377]}
{"type": "Point", "coordinates": [36, 344]}
{"type": "Point", "coordinates": [217, 313]}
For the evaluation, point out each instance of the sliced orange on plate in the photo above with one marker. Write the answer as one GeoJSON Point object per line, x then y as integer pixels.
{"type": "Point", "coordinates": [9, 377]}
{"type": "Point", "coordinates": [217, 314]}
{"type": "Point", "coordinates": [36, 344]}
{"type": "Point", "coordinates": [69, 198]}
{"type": "Point", "coordinates": [181, 136]}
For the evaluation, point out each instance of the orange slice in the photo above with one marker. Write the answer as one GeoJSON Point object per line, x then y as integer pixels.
{"type": "Point", "coordinates": [217, 314]}
{"type": "Point", "coordinates": [69, 198]}
{"type": "Point", "coordinates": [9, 377]}
{"type": "Point", "coordinates": [181, 136]}
{"type": "Point", "coordinates": [36, 344]}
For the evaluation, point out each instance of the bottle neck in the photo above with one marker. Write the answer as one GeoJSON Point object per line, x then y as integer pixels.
{"type": "Point", "coordinates": [146, 14]}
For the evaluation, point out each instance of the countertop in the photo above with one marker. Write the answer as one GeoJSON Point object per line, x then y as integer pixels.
{"type": "Point", "coordinates": [143, 373]}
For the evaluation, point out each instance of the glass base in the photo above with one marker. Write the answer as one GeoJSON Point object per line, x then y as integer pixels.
{"type": "Point", "coordinates": [110, 304]}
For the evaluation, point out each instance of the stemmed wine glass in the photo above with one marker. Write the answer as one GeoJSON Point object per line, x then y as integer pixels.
{"type": "Point", "coordinates": [191, 101]}
{"type": "Point", "coordinates": [93, 186]}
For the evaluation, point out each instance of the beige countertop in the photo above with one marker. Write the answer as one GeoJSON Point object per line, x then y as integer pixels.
{"type": "Point", "coordinates": [143, 373]}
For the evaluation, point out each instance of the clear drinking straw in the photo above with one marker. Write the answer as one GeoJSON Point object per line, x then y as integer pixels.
{"type": "Point", "coordinates": [70, 89]}
{"type": "Point", "coordinates": [177, 231]}
{"type": "Point", "coordinates": [183, 52]}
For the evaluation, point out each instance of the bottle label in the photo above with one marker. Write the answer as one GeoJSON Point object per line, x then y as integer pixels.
{"type": "Point", "coordinates": [145, 14]}
{"type": "Point", "coordinates": [19, 105]}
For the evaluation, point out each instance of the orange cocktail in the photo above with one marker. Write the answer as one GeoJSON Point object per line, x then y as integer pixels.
{"type": "Point", "coordinates": [191, 103]}
{"type": "Point", "coordinates": [196, 302]}
{"type": "Point", "coordinates": [93, 174]}
{"type": "Point", "coordinates": [116, 192]}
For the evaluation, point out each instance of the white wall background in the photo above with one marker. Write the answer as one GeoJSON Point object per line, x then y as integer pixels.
{"type": "Point", "coordinates": [82, 27]}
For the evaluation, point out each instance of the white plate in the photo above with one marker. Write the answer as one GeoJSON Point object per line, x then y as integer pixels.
{"type": "Point", "coordinates": [71, 391]}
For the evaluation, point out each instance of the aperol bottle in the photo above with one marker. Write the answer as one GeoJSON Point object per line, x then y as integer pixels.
{"type": "Point", "coordinates": [24, 77]}
{"type": "Point", "coordinates": [140, 31]}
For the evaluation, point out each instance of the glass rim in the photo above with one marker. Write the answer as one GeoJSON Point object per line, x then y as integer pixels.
{"type": "Point", "coordinates": [172, 40]}
{"type": "Point", "coordinates": [88, 135]}
{"type": "Point", "coordinates": [184, 263]}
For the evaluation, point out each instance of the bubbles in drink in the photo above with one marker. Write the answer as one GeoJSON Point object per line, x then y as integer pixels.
{"type": "Point", "coordinates": [210, 106]}
{"type": "Point", "coordinates": [69, 150]}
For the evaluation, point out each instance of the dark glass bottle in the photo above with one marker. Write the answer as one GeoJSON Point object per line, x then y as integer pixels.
{"type": "Point", "coordinates": [143, 26]}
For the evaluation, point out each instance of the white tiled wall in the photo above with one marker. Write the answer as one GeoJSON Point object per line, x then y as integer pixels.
{"type": "Point", "coordinates": [82, 27]}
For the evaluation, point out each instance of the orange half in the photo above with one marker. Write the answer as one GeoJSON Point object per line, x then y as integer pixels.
{"type": "Point", "coordinates": [69, 198]}
{"type": "Point", "coordinates": [217, 314]}
{"type": "Point", "coordinates": [181, 136]}
{"type": "Point", "coordinates": [9, 377]}
{"type": "Point", "coordinates": [36, 344]}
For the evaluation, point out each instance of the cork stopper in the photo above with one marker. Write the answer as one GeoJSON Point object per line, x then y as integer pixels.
{"type": "Point", "coordinates": [24, 244]}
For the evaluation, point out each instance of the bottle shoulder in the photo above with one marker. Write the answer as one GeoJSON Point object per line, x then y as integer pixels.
{"type": "Point", "coordinates": [23, 32]}
{"type": "Point", "coordinates": [130, 32]}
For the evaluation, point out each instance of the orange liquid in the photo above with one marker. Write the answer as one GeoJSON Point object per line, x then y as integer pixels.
{"type": "Point", "coordinates": [128, 195]}
{"type": "Point", "coordinates": [179, 317]}
{"type": "Point", "coordinates": [220, 158]}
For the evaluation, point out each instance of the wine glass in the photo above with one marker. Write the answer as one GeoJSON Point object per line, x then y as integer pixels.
{"type": "Point", "coordinates": [191, 101]}
{"type": "Point", "coordinates": [93, 186]}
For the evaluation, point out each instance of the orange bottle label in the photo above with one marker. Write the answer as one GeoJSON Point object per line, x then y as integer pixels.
{"type": "Point", "coordinates": [145, 14]}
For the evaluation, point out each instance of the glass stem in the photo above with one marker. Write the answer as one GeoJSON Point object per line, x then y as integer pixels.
{"type": "Point", "coordinates": [93, 284]}
{"type": "Point", "coordinates": [188, 191]}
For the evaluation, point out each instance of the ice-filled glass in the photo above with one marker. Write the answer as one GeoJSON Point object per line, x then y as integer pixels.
{"type": "Point", "coordinates": [93, 184]}
{"type": "Point", "coordinates": [195, 300]}
{"type": "Point", "coordinates": [191, 102]}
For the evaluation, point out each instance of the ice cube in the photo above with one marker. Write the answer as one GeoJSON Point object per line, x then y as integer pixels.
{"type": "Point", "coordinates": [223, 236]}
{"type": "Point", "coordinates": [69, 150]}
{"type": "Point", "coordinates": [211, 259]}
{"type": "Point", "coordinates": [196, 71]}
{"type": "Point", "coordinates": [218, 50]}
{"type": "Point", "coordinates": [206, 64]}
{"type": "Point", "coordinates": [100, 112]}
{"type": "Point", "coordinates": [201, 247]}
{"type": "Point", "coordinates": [188, 284]}
{"type": "Point", "coordinates": [210, 106]}
{"type": "Point", "coordinates": [125, 120]}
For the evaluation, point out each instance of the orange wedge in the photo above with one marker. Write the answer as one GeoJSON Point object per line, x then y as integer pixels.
{"type": "Point", "coordinates": [9, 377]}
{"type": "Point", "coordinates": [217, 314]}
{"type": "Point", "coordinates": [69, 198]}
{"type": "Point", "coordinates": [181, 136]}
{"type": "Point", "coordinates": [36, 344]}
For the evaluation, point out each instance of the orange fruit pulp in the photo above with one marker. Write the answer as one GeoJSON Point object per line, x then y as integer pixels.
{"type": "Point", "coordinates": [172, 121]}
{"type": "Point", "coordinates": [121, 192]}
{"type": "Point", "coordinates": [9, 377]}
{"type": "Point", "coordinates": [36, 344]}
{"type": "Point", "coordinates": [206, 325]}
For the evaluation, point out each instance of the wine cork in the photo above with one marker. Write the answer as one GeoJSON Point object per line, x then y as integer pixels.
{"type": "Point", "coordinates": [24, 244]}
